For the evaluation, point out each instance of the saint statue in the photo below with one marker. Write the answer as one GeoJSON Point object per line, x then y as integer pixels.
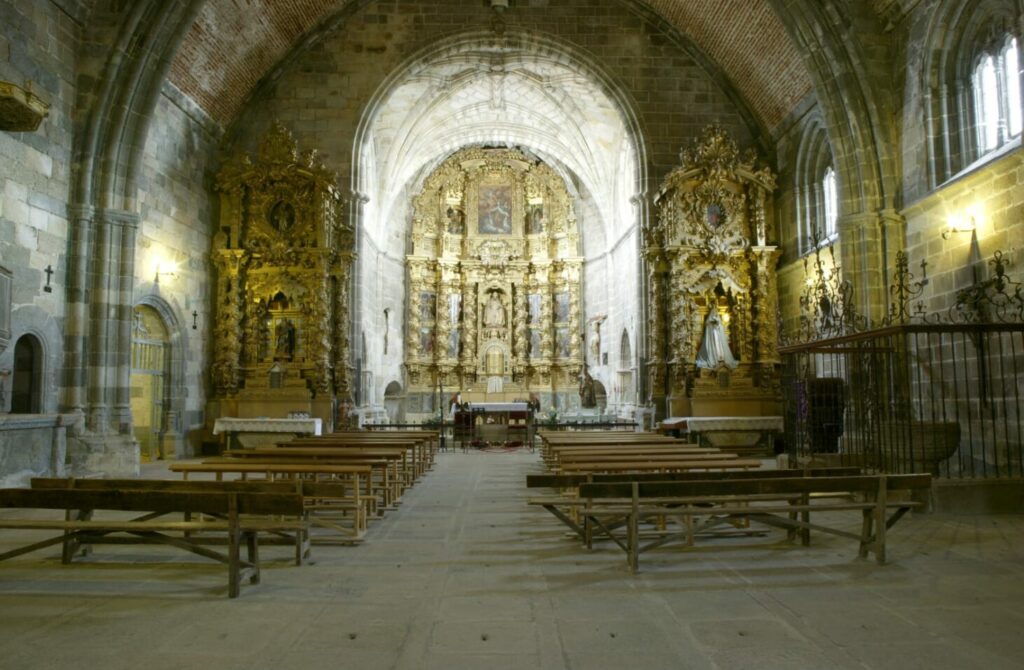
{"type": "Point", "coordinates": [714, 348]}
{"type": "Point", "coordinates": [587, 396]}
{"type": "Point", "coordinates": [494, 313]}
{"type": "Point", "coordinates": [284, 340]}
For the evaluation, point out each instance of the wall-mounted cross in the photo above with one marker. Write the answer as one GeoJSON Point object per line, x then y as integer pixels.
{"type": "Point", "coordinates": [49, 273]}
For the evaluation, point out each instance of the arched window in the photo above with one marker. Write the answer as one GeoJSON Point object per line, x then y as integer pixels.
{"type": "Point", "coordinates": [817, 189]}
{"type": "Point", "coordinates": [995, 88]}
{"type": "Point", "coordinates": [830, 201]}
{"type": "Point", "coordinates": [973, 94]}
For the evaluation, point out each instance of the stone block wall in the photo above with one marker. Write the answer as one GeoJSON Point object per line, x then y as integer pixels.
{"type": "Point", "coordinates": [177, 219]}
{"type": "Point", "coordinates": [38, 44]}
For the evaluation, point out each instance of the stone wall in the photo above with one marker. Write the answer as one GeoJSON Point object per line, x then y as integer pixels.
{"type": "Point", "coordinates": [176, 226]}
{"type": "Point", "coordinates": [38, 43]}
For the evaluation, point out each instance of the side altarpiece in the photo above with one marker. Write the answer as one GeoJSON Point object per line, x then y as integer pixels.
{"type": "Point", "coordinates": [494, 281]}
{"type": "Point", "coordinates": [284, 256]}
{"type": "Point", "coordinates": [711, 281]}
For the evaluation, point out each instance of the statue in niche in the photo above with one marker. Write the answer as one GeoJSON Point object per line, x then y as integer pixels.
{"type": "Point", "coordinates": [456, 221]}
{"type": "Point", "coordinates": [535, 219]}
{"type": "Point", "coordinates": [284, 339]}
{"type": "Point", "coordinates": [714, 348]}
{"type": "Point", "coordinates": [588, 397]}
{"type": "Point", "coordinates": [282, 216]}
{"type": "Point", "coordinates": [494, 312]}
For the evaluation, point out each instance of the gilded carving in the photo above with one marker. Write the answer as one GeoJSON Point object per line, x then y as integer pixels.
{"type": "Point", "coordinates": [505, 218]}
{"type": "Point", "coordinates": [708, 256]}
{"type": "Point", "coordinates": [283, 253]}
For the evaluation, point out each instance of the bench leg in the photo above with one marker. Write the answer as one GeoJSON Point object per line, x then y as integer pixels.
{"type": "Point", "coordinates": [252, 546]}
{"type": "Point", "coordinates": [234, 539]}
{"type": "Point", "coordinates": [880, 524]}
{"type": "Point", "coordinates": [865, 532]}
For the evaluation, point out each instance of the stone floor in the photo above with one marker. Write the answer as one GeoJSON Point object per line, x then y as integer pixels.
{"type": "Point", "coordinates": [465, 575]}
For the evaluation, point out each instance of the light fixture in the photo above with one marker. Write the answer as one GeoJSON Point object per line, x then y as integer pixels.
{"type": "Point", "coordinates": [167, 270]}
{"type": "Point", "coordinates": [959, 224]}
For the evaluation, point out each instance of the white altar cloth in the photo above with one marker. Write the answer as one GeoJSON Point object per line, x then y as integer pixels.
{"type": "Point", "coordinates": [228, 424]}
{"type": "Point", "coordinates": [707, 424]}
{"type": "Point", "coordinates": [498, 406]}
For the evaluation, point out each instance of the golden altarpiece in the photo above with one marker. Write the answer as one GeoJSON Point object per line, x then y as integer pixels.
{"type": "Point", "coordinates": [494, 281]}
{"type": "Point", "coordinates": [284, 255]}
{"type": "Point", "coordinates": [712, 292]}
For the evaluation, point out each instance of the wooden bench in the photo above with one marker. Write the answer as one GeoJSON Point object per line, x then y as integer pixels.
{"type": "Point", "coordinates": [784, 502]}
{"type": "Point", "coordinates": [313, 495]}
{"type": "Point", "coordinates": [565, 504]}
{"type": "Point", "coordinates": [355, 477]}
{"type": "Point", "coordinates": [226, 509]}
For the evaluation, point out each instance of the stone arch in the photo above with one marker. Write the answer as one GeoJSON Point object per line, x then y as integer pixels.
{"type": "Point", "coordinates": [464, 46]}
{"type": "Point", "coordinates": [117, 107]}
{"type": "Point", "coordinates": [175, 384]}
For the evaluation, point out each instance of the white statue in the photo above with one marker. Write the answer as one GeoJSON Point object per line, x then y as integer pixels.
{"type": "Point", "coordinates": [494, 313]}
{"type": "Point", "coordinates": [714, 348]}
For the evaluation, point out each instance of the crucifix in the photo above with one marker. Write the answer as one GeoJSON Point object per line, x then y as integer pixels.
{"type": "Point", "coordinates": [49, 273]}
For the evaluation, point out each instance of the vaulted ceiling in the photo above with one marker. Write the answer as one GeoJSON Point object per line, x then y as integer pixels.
{"type": "Point", "coordinates": [744, 38]}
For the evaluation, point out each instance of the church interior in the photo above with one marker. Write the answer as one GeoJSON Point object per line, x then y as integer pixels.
{"type": "Point", "coordinates": [787, 232]}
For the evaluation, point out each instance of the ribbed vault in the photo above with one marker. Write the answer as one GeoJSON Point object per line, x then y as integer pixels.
{"type": "Point", "coordinates": [508, 92]}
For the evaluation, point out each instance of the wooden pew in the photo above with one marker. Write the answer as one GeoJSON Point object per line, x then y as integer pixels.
{"type": "Point", "coordinates": [565, 504]}
{"type": "Point", "coordinates": [356, 476]}
{"type": "Point", "coordinates": [420, 460]}
{"type": "Point", "coordinates": [312, 494]}
{"type": "Point", "coordinates": [81, 528]}
{"type": "Point", "coordinates": [385, 484]}
{"type": "Point", "coordinates": [726, 462]}
{"type": "Point", "coordinates": [784, 502]}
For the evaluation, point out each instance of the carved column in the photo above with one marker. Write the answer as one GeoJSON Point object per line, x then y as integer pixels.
{"type": "Point", "coordinates": [342, 343]}
{"type": "Point", "coordinates": [227, 334]}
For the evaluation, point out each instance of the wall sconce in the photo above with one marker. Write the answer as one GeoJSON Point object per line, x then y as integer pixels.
{"type": "Point", "coordinates": [49, 273]}
{"type": "Point", "coordinates": [195, 319]}
{"type": "Point", "coordinates": [959, 225]}
{"type": "Point", "coordinates": [165, 270]}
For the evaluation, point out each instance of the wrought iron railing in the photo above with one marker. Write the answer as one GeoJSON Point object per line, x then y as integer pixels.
{"type": "Point", "coordinates": [942, 393]}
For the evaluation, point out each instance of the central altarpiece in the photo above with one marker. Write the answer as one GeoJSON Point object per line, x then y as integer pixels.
{"type": "Point", "coordinates": [494, 282]}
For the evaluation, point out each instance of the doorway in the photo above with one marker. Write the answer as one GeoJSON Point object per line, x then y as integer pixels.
{"type": "Point", "coordinates": [149, 379]}
{"type": "Point", "coordinates": [27, 384]}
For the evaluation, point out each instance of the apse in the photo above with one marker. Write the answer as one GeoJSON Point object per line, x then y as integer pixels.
{"type": "Point", "coordinates": [510, 91]}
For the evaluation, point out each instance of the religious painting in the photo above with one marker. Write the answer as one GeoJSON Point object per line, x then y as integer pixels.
{"type": "Point", "coordinates": [428, 308]}
{"type": "Point", "coordinates": [535, 218]}
{"type": "Point", "coordinates": [563, 342]}
{"type": "Point", "coordinates": [715, 216]}
{"type": "Point", "coordinates": [426, 341]}
{"type": "Point", "coordinates": [535, 307]}
{"type": "Point", "coordinates": [494, 212]}
{"type": "Point", "coordinates": [561, 308]}
{"type": "Point", "coordinates": [535, 343]}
